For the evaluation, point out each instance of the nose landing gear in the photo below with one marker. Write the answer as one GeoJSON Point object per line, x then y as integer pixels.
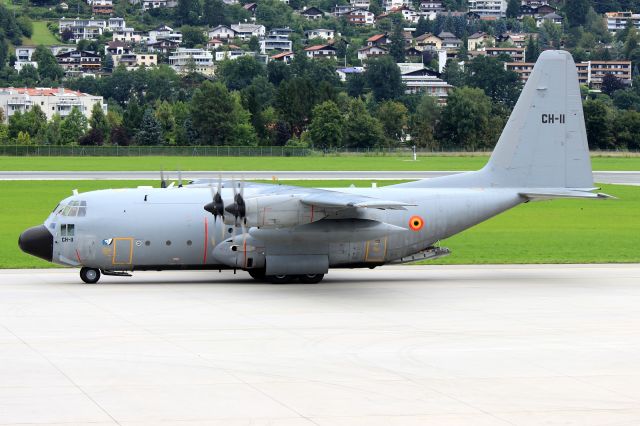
{"type": "Point", "coordinates": [89, 275]}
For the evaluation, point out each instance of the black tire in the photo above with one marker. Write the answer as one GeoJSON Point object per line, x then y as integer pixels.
{"type": "Point", "coordinates": [257, 274]}
{"type": "Point", "coordinates": [89, 275]}
{"type": "Point", "coordinates": [281, 279]}
{"type": "Point", "coordinates": [311, 278]}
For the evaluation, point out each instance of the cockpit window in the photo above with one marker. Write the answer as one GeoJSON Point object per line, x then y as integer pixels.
{"type": "Point", "coordinates": [74, 208]}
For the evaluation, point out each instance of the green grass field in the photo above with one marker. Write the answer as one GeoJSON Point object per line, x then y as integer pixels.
{"type": "Point", "coordinates": [561, 231]}
{"type": "Point", "coordinates": [274, 163]}
{"type": "Point", "coordinates": [41, 35]}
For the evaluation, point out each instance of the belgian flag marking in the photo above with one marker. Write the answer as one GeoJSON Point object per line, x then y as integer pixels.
{"type": "Point", "coordinates": [416, 223]}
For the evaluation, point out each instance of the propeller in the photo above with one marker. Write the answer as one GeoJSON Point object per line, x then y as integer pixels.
{"type": "Point", "coordinates": [163, 182]}
{"type": "Point", "coordinates": [238, 208]}
{"type": "Point", "coordinates": [216, 206]}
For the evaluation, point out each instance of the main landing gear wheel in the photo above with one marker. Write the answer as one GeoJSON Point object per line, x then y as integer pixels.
{"type": "Point", "coordinates": [281, 279]}
{"type": "Point", "coordinates": [257, 274]}
{"type": "Point", "coordinates": [89, 275]}
{"type": "Point", "coordinates": [311, 278]}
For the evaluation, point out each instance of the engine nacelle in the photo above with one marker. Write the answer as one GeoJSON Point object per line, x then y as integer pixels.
{"type": "Point", "coordinates": [278, 211]}
{"type": "Point", "coordinates": [243, 252]}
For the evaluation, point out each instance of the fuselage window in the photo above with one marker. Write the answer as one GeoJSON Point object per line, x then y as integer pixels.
{"type": "Point", "coordinates": [67, 230]}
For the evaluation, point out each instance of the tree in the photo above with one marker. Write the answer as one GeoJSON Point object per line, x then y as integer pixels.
{"type": "Point", "coordinates": [29, 75]}
{"type": "Point", "coordinates": [73, 127]}
{"type": "Point", "coordinates": [550, 34]}
{"type": "Point", "coordinates": [238, 73]}
{"type": "Point", "coordinates": [150, 132]}
{"type": "Point", "coordinates": [218, 118]}
{"type": "Point", "coordinates": [393, 117]}
{"type": "Point", "coordinates": [396, 49]}
{"type": "Point", "coordinates": [66, 34]}
{"type": "Point", "coordinates": [257, 97]}
{"type": "Point", "coordinates": [107, 63]}
{"type": "Point", "coordinates": [383, 78]}
{"type": "Point", "coordinates": [92, 138]}
{"type": "Point", "coordinates": [119, 136]}
{"type": "Point", "coordinates": [98, 123]}
{"type": "Point", "coordinates": [192, 36]}
{"type": "Point", "coordinates": [465, 119]}
{"type": "Point", "coordinates": [452, 73]}
{"type": "Point", "coordinates": [254, 44]}
{"type": "Point", "coordinates": [326, 128]}
{"type": "Point", "coordinates": [277, 72]}
{"type": "Point", "coordinates": [513, 8]}
{"type": "Point", "coordinates": [611, 83]}
{"type": "Point", "coordinates": [627, 129]}
{"type": "Point", "coordinates": [273, 13]}
{"type": "Point", "coordinates": [188, 11]}
{"type": "Point", "coordinates": [489, 75]}
{"type": "Point", "coordinates": [362, 130]}
{"type": "Point", "coordinates": [48, 66]}
{"type": "Point", "coordinates": [626, 99]}
{"type": "Point", "coordinates": [132, 117]}
{"type": "Point", "coordinates": [597, 119]}
{"type": "Point", "coordinates": [213, 13]}
{"type": "Point", "coordinates": [295, 100]}
{"type": "Point", "coordinates": [576, 11]}
{"type": "Point", "coordinates": [533, 50]}
{"type": "Point", "coordinates": [166, 119]}
{"type": "Point", "coordinates": [356, 84]}
{"type": "Point", "coordinates": [424, 123]}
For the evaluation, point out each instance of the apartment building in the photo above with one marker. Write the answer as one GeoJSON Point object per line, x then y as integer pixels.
{"type": "Point", "coordinates": [78, 63]}
{"type": "Point", "coordinates": [200, 60]}
{"type": "Point", "coordinates": [589, 72]}
{"type": "Point", "coordinates": [616, 21]}
{"type": "Point", "coordinates": [495, 8]}
{"type": "Point", "coordinates": [50, 100]}
{"type": "Point", "coordinates": [517, 54]}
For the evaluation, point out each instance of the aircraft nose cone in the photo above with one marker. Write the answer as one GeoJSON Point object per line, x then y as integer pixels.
{"type": "Point", "coordinates": [37, 241]}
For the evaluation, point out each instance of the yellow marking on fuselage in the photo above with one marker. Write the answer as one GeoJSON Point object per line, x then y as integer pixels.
{"type": "Point", "coordinates": [115, 245]}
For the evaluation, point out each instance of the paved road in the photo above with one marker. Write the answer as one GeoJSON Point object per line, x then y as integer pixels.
{"type": "Point", "coordinates": [525, 345]}
{"type": "Point", "coordinates": [627, 178]}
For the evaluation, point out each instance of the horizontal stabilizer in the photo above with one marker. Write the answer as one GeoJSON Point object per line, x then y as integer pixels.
{"type": "Point", "coordinates": [549, 194]}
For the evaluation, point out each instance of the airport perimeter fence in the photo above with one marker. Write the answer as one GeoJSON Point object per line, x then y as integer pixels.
{"type": "Point", "coordinates": [230, 151]}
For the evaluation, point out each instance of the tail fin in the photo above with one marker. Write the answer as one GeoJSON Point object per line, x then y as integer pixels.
{"type": "Point", "coordinates": [544, 144]}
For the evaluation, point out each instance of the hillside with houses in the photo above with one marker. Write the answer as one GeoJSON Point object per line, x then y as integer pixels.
{"type": "Point", "coordinates": [329, 75]}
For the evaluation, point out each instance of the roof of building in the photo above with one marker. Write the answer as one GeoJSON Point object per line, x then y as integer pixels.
{"type": "Point", "coordinates": [351, 70]}
{"type": "Point", "coordinates": [376, 37]}
{"type": "Point", "coordinates": [42, 91]}
{"type": "Point", "coordinates": [445, 35]}
{"type": "Point", "coordinates": [425, 36]}
{"type": "Point", "coordinates": [320, 47]}
{"type": "Point", "coordinates": [312, 11]}
{"type": "Point", "coordinates": [249, 6]}
{"type": "Point", "coordinates": [282, 55]}
{"type": "Point", "coordinates": [552, 16]}
{"type": "Point", "coordinates": [479, 34]}
{"type": "Point", "coordinates": [371, 48]}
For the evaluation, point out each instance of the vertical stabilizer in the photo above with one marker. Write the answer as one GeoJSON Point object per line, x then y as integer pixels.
{"type": "Point", "coordinates": [544, 143]}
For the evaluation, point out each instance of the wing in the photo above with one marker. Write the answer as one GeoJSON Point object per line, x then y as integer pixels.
{"type": "Point", "coordinates": [340, 200]}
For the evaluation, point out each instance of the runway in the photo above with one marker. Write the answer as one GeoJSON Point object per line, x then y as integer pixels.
{"type": "Point", "coordinates": [410, 345]}
{"type": "Point", "coordinates": [616, 177]}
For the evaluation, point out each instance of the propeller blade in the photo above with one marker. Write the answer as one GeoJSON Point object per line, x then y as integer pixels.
{"type": "Point", "coordinates": [163, 182]}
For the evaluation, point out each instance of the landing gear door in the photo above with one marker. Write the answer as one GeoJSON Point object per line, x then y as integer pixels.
{"type": "Point", "coordinates": [375, 250]}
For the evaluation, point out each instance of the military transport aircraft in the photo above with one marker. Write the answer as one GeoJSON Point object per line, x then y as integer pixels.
{"type": "Point", "coordinates": [281, 233]}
